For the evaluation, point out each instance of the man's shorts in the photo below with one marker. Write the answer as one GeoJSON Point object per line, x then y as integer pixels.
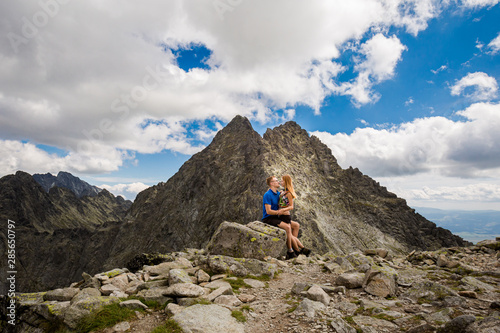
{"type": "Point", "coordinates": [275, 220]}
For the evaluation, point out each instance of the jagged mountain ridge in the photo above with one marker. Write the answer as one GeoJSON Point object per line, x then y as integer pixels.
{"type": "Point", "coordinates": [66, 180]}
{"type": "Point", "coordinates": [58, 235]}
{"type": "Point", "coordinates": [339, 210]}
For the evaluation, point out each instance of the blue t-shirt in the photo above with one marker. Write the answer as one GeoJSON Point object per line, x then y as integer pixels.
{"type": "Point", "coordinates": [272, 199]}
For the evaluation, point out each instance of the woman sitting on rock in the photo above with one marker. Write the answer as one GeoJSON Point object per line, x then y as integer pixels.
{"type": "Point", "coordinates": [286, 205]}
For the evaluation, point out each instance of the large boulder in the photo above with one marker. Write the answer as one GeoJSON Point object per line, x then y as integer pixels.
{"type": "Point", "coordinates": [254, 240]}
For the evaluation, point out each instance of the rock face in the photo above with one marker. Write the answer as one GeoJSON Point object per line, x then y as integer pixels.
{"type": "Point", "coordinates": [58, 235]}
{"type": "Point", "coordinates": [66, 180]}
{"type": "Point", "coordinates": [339, 210]}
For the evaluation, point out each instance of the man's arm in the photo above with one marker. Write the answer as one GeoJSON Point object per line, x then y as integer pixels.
{"type": "Point", "coordinates": [269, 211]}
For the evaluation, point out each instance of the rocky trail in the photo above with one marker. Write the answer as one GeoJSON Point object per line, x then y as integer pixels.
{"type": "Point", "coordinates": [450, 290]}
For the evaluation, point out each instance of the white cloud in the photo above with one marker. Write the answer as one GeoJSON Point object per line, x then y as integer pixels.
{"type": "Point", "coordinates": [128, 191]}
{"type": "Point", "coordinates": [469, 148]}
{"type": "Point", "coordinates": [28, 157]}
{"type": "Point", "coordinates": [485, 87]}
{"type": "Point", "coordinates": [494, 45]}
{"type": "Point", "coordinates": [381, 57]}
{"type": "Point", "coordinates": [440, 69]}
{"type": "Point", "coordinates": [409, 102]}
{"type": "Point", "coordinates": [479, 3]}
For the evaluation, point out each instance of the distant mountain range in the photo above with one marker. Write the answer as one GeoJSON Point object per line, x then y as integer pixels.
{"type": "Point", "coordinates": [66, 180]}
{"type": "Point", "coordinates": [471, 225]}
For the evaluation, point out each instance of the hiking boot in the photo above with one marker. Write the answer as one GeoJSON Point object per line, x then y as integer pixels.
{"type": "Point", "coordinates": [305, 251]}
{"type": "Point", "coordinates": [290, 255]}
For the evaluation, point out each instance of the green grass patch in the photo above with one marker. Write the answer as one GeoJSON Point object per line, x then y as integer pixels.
{"type": "Point", "coordinates": [384, 317]}
{"type": "Point", "coordinates": [108, 316]}
{"type": "Point", "coordinates": [170, 326]}
{"type": "Point", "coordinates": [239, 316]}
{"type": "Point", "coordinates": [246, 308]}
{"type": "Point", "coordinates": [237, 284]}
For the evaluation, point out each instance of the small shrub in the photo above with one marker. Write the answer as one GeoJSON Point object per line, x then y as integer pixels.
{"type": "Point", "coordinates": [109, 315]}
{"type": "Point", "coordinates": [247, 308]}
{"type": "Point", "coordinates": [239, 316]}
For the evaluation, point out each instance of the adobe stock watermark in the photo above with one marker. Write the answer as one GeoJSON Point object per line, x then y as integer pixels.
{"type": "Point", "coordinates": [31, 26]}
{"type": "Point", "coordinates": [123, 105]}
{"type": "Point", "coordinates": [11, 272]}
{"type": "Point", "coordinates": [224, 6]}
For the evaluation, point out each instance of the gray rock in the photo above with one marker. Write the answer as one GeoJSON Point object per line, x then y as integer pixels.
{"type": "Point", "coordinates": [202, 276]}
{"type": "Point", "coordinates": [61, 295]}
{"type": "Point", "coordinates": [133, 304]}
{"type": "Point", "coordinates": [350, 280]}
{"type": "Point", "coordinates": [51, 310]}
{"type": "Point", "coordinates": [458, 324]}
{"type": "Point", "coordinates": [241, 266]}
{"type": "Point", "coordinates": [173, 308]}
{"type": "Point", "coordinates": [155, 295]}
{"type": "Point", "coordinates": [246, 298]}
{"type": "Point", "coordinates": [108, 289]}
{"type": "Point", "coordinates": [227, 290]}
{"type": "Point", "coordinates": [380, 281]}
{"type": "Point", "coordinates": [428, 291]}
{"type": "Point", "coordinates": [333, 267]}
{"type": "Point", "coordinates": [178, 275]}
{"type": "Point", "coordinates": [254, 283]}
{"type": "Point", "coordinates": [85, 293]}
{"type": "Point", "coordinates": [164, 268]}
{"type": "Point", "coordinates": [299, 287]}
{"type": "Point", "coordinates": [228, 301]}
{"type": "Point", "coordinates": [471, 283]}
{"type": "Point", "coordinates": [487, 325]}
{"type": "Point", "coordinates": [309, 308]}
{"type": "Point", "coordinates": [217, 284]}
{"type": "Point", "coordinates": [121, 327]}
{"type": "Point", "coordinates": [254, 240]}
{"type": "Point", "coordinates": [84, 307]}
{"type": "Point", "coordinates": [340, 326]}
{"type": "Point", "coordinates": [184, 290]}
{"type": "Point", "coordinates": [345, 307]}
{"type": "Point", "coordinates": [207, 319]}
{"type": "Point", "coordinates": [374, 324]}
{"type": "Point", "coordinates": [316, 293]}
{"type": "Point", "coordinates": [442, 316]}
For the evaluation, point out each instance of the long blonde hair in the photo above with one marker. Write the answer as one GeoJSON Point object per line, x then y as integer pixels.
{"type": "Point", "coordinates": [288, 185]}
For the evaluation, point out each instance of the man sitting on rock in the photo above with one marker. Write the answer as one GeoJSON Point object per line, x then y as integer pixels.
{"type": "Point", "coordinates": [272, 215]}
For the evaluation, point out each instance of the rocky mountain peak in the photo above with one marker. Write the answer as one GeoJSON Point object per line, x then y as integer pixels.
{"type": "Point", "coordinates": [339, 210]}
{"type": "Point", "coordinates": [67, 180]}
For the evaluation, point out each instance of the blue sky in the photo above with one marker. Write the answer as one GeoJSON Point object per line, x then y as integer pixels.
{"type": "Point", "coordinates": [407, 91]}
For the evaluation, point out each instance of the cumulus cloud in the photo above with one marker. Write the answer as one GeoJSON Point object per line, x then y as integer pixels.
{"type": "Point", "coordinates": [28, 157]}
{"type": "Point", "coordinates": [128, 191]}
{"type": "Point", "coordinates": [381, 55]}
{"type": "Point", "coordinates": [494, 45]}
{"type": "Point", "coordinates": [468, 148]}
{"type": "Point", "coordinates": [484, 87]}
{"type": "Point", "coordinates": [479, 3]}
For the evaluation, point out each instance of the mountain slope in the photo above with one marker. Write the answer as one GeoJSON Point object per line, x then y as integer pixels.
{"type": "Point", "coordinates": [58, 235]}
{"type": "Point", "coordinates": [66, 180]}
